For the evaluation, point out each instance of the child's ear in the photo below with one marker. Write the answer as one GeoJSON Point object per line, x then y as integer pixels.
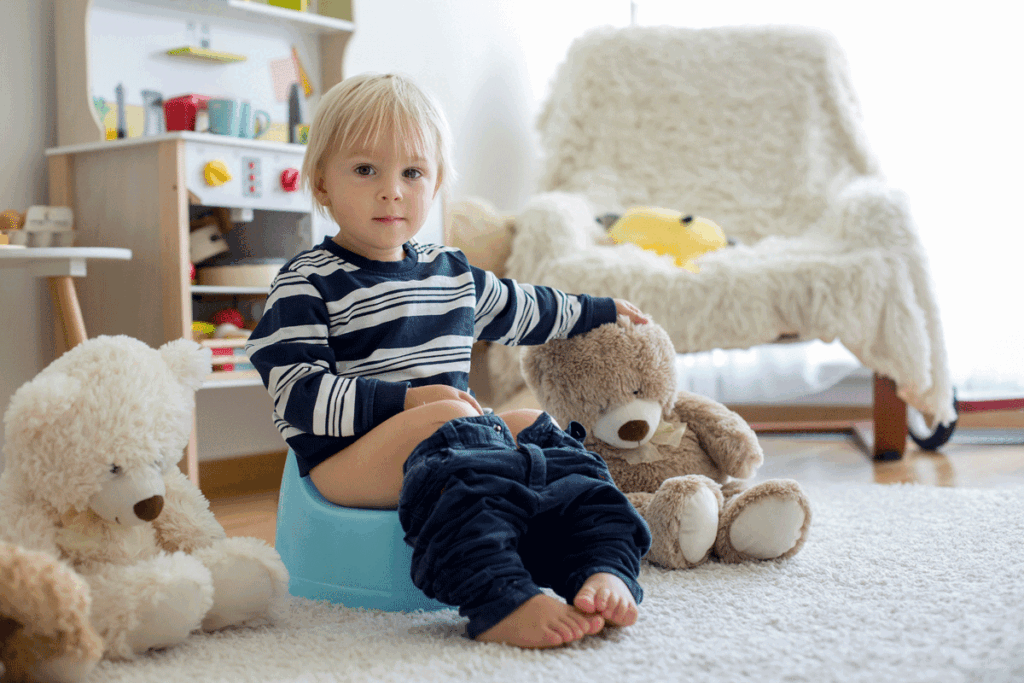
{"type": "Point", "coordinates": [437, 185]}
{"type": "Point", "coordinates": [320, 192]}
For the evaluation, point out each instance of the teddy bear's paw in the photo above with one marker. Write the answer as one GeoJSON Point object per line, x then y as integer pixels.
{"type": "Point", "coordinates": [248, 576]}
{"type": "Point", "coordinates": [174, 612]}
{"type": "Point", "coordinates": [683, 517]}
{"type": "Point", "coordinates": [766, 522]}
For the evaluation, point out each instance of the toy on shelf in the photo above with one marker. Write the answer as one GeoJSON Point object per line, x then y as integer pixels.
{"type": "Point", "coordinates": [153, 122]}
{"type": "Point", "coordinates": [229, 356]}
{"type": "Point", "coordinates": [10, 221]}
{"type": "Point", "coordinates": [206, 234]}
{"type": "Point", "coordinates": [228, 315]}
{"type": "Point", "coordinates": [666, 232]}
{"type": "Point", "coordinates": [183, 112]}
{"type": "Point", "coordinates": [225, 335]}
{"type": "Point", "coordinates": [40, 226]}
{"type": "Point", "coordinates": [202, 330]}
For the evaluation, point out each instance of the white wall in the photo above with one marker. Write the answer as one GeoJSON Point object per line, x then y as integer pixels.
{"type": "Point", "coordinates": [487, 62]}
{"type": "Point", "coordinates": [27, 127]}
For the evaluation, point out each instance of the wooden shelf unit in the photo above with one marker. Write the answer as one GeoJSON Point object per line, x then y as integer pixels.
{"type": "Point", "coordinates": [134, 193]}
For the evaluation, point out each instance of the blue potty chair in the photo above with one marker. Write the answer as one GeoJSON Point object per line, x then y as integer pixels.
{"type": "Point", "coordinates": [351, 556]}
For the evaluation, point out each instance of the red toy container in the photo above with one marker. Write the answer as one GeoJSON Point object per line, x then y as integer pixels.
{"type": "Point", "coordinates": [180, 112]}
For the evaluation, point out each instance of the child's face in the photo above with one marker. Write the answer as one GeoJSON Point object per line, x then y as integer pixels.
{"type": "Point", "coordinates": [379, 196]}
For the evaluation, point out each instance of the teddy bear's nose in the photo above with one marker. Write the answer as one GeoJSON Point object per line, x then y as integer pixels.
{"type": "Point", "coordinates": [149, 509]}
{"type": "Point", "coordinates": [634, 430]}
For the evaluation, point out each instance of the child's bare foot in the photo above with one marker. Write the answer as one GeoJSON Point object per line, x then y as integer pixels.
{"type": "Point", "coordinates": [543, 621]}
{"type": "Point", "coordinates": [607, 595]}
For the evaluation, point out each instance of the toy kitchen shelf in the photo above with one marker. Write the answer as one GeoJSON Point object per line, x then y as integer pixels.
{"type": "Point", "coordinates": [138, 193]}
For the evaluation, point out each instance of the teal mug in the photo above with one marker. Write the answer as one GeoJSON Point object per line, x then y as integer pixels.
{"type": "Point", "coordinates": [252, 123]}
{"type": "Point", "coordinates": [225, 117]}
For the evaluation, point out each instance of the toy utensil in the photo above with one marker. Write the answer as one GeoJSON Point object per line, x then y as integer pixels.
{"type": "Point", "coordinates": [122, 119]}
{"type": "Point", "coordinates": [153, 110]}
{"type": "Point", "coordinates": [294, 111]}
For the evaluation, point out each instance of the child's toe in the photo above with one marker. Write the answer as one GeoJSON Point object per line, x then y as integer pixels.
{"type": "Point", "coordinates": [584, 600]}
{"type": "Point", "coordinates": [594, 624]}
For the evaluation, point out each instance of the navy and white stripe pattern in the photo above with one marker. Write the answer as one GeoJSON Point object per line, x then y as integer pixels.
{"type": "Point", "coordinates": [343, 337]}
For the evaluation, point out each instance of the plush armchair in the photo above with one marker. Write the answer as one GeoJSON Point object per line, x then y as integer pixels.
{"type": "Point", "coordinates": [758, 129]}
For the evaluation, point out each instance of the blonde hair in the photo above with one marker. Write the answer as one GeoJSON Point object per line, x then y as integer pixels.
{"type": "Point", "coordinates": [362, 109]}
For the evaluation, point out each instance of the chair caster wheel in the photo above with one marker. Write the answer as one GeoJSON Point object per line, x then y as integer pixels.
{"type": "Point", "coordinates": [925, 438]}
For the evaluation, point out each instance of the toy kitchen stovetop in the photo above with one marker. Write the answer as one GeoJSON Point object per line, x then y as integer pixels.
{"type": "Point", "coordinates": [271, 216]}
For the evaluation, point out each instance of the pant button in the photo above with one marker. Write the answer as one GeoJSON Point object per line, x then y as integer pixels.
{"type": "Point", "coordinates": [497, 428]}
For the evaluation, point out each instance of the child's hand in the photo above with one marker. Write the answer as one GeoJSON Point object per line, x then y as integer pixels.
{"type": "Point", "coordinates": [419, 396]}
{"type": "Point", "coordinates": [623, 307]}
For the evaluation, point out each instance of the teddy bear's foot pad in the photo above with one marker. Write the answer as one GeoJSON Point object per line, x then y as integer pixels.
{"type": "Point", "coordinates": [683, 515]}
{"type": "Point", "coordinates": [698, 524]}
{"type": "Point", "coordinates": [767, 528]}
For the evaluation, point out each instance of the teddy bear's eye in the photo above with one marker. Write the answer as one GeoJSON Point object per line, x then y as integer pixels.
{"type": "Point", "coordinates": [637, 392]}
{"type": "Point", "coordinates": [115, 469]}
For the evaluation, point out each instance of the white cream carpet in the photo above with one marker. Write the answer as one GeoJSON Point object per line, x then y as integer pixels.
{"type": "Point", "coordinates": [895, 583]}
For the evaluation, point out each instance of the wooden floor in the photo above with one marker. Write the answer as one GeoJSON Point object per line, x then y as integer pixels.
{"type": "Point", "coordinates": [808, 458]}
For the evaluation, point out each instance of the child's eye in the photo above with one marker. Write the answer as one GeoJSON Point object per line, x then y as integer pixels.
{"type": "Point", "coordinates": [413, 173]}
{"type": "Point", "coordinates": [364, 170]}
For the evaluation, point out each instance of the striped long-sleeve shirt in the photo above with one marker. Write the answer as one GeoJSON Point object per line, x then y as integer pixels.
{"type": "Point", "coordinates": [343, 337]}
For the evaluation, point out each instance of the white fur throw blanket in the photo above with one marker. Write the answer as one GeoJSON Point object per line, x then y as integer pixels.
{"type": "Point", "coordinates": [758, 130]}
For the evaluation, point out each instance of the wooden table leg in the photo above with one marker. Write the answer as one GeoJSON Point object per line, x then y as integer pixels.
{"type": "Point", "coordinates": [67, 310]}
{"type": "Point", "coordinates": [890, 421]}
{"type": "Point", "coordinates": [885, 437]}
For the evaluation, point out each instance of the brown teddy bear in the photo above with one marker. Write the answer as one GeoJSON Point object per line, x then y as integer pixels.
{"type": "Point", "coordinates": [45, 634]}
{"type": "Point", "coordinates": [682, 458]}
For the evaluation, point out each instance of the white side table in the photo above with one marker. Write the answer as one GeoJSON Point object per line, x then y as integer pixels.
{"type": "Point", "coordinates": [59, 265]}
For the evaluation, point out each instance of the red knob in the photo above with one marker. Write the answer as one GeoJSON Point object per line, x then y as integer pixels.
{"type": "Point", "coordinates": [290, 179]}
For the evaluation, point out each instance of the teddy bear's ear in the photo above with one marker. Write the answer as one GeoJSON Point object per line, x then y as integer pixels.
{"type": "Point", "coordinates": [38, 405]}
{"type": "Point", "coordinates": [188, 361]}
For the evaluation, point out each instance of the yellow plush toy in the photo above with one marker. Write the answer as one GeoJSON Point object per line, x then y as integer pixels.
{"type": "Point", "coordinates": [668, 232]}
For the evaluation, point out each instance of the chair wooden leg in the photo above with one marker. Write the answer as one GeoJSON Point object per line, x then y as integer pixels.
{"type": "Point", "coordinates": [890, 421]}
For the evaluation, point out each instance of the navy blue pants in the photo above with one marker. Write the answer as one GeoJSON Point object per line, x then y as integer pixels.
{"type": "Point", "coordinates": [491, 521]}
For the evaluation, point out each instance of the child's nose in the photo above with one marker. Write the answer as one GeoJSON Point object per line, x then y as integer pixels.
{"type": "Point", "coordinates": [391, 190]}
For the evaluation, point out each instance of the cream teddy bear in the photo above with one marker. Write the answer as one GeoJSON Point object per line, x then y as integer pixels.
{"type": "Point", "coordinates": [92, 449]}
{"type": "Point", "coordinates": [45, 633]}
{"type": "Point", "coordinates": [680, 457]}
